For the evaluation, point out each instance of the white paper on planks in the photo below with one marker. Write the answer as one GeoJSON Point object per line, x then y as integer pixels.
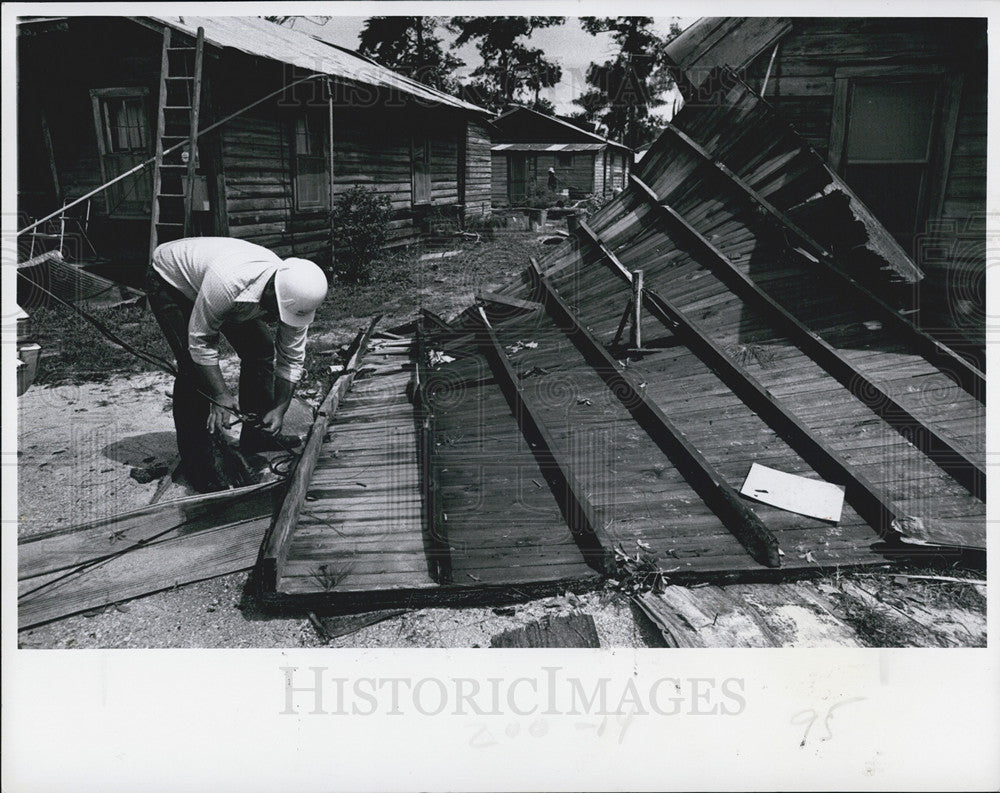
{"type": "Point", "coordinates": [794, 493]}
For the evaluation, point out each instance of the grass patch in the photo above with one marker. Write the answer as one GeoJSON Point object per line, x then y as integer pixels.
{"type": "Point", "coordinates": [74, 351]}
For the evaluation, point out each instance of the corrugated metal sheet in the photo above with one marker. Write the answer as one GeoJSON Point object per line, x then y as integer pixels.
{"type": "Point", "coordinates": [548, 146]}
{"type": "Point", "coordinates": [259, 37]}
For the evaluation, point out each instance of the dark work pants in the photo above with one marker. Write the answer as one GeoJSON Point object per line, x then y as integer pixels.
{"type": "Point", "coordinates": [253, 343]}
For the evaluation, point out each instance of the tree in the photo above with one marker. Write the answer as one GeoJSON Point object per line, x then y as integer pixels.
{"type": "Point", "coordinates": [290, 20]}
{"type": "Point", "coordinates": [410, 46]}
{"type": "Point", "coordinates": [511, 72]}
{"type": "Point", "coordinates": [627, 87]}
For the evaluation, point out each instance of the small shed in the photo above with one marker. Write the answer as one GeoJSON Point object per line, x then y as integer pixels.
{"type": "Point", "coordinates": [98, 95]}
{"type": "Point", "coordinates": [897, 107]}
{"type": "Point", "coordinates": [526, 144]}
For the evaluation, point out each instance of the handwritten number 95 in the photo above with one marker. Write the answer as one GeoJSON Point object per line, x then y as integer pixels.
{"type": "Point", "coordinates": [810, 716]}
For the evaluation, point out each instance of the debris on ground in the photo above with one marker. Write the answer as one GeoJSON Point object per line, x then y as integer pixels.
{"type": "Point", "coordinates": [574, 630]}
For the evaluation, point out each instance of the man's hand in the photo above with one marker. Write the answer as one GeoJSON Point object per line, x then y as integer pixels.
{"type": "Point", "coordinates": [271, 421]}
{"type": "Point", "coordinates": [221, 413]}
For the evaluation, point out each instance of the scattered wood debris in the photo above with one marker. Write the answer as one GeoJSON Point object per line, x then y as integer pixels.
{"type": "Point", "coordinates": [574, 630]}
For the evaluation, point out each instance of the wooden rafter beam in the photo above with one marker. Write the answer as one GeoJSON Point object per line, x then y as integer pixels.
{"type": "Point", "coordinates": [936, 445]}
{"type": "Point", "coordinates": [586, 525]}
{"type": "Point", "coordinates": [966, 374]}
{"type": "Point", "coordinates": [866, 498]}
{"type": "Point", "coordinates": [439, 550]}
{"type": "Point", "coordinates": [718, 494]}
{"type": "Point", "coordinates": [274, 550]}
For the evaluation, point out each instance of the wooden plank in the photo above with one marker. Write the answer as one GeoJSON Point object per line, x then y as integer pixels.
{"type": "Point", "coordinates": [941, 449]}
{"type": "Point", "coordinates": [183, 559]}
{"type": "Point", "coordinates": [720, 496]}
{"type": "Point", "coordinates": [581, 518]}
{"type": "Point", "coordinates": [509, 301]}
{"type": "Point", "coordinates": [573, 630]}
{"type": "Point", "coordinates": [73, 546]}
{"type": "Point", "coordinates": [759, 615]}
{"type": "Point", "coordinates": [274, 550]}
{"type": "Point", "coordinates": [433, 515]}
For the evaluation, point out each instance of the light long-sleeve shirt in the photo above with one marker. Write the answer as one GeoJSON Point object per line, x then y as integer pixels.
{"type": "Point", "coordinates": [225, 279]}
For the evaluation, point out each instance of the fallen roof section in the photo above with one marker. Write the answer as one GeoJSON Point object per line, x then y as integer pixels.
{"type": "Point", "coordinates": [527, 444]}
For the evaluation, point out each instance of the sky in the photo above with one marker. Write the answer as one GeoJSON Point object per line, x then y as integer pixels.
{"type": "Point", "coordinates": [567, 44]}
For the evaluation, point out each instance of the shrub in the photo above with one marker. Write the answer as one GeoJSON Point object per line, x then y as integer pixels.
{"type": "Point", "coordinates": [540, 197]}
{"type": "Point", "coordinates": [361, 223]}
{"type": "Point", "coordinates": [592, 203]}
{"type": "Point", "coordinates": [485, 225]}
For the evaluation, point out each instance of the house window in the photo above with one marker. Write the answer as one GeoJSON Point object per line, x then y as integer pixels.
{"type": "Point", "coordinates": [310, 166]}
{"type": "Point", "coordinates": [124, 120]}
{"type": "Point", "coordinates": [887, 142]}
{"type": "Point", "coordinates": [420, 170]}
{"type": "Point", "coordinates": [121, 124]}
{"type": "Point", "coordinates": [564, 160]}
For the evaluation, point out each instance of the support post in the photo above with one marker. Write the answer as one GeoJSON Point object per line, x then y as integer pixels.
{"type": "Point", "coordinates": [637, 309]}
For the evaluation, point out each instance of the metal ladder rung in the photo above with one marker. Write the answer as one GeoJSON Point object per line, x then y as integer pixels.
{"type": "Point", "coordinates": [177, 107]}
{"type": "Point", "coordinates": [181, 49]}
{"type": "Point", "coordinates": [180, 77]}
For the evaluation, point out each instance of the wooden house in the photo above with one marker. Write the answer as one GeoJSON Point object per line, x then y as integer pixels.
{"type": "Point", "coordinates": [897, 107]}
{"type": "Point", "coordinates": [526, 144]}
{"type": "Point", "coordinates": [98, 95]}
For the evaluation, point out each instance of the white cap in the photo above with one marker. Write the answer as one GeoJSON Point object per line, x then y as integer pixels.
{"type": "Point", "coordinates": [299, 286]}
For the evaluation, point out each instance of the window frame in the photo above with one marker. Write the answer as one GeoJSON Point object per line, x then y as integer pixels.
{"type": "Point", "coordinates": [98, 100]}
{"type": "Point", "coordinates": [322, 160]}
{"type": "Point", "coordinates": [942, 131]}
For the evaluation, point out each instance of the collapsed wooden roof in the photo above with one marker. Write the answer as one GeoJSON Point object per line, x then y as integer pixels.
{"type": "Point", "coordinates": [524, 447]}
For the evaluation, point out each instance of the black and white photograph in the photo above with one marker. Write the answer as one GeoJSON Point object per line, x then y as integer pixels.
{"type": "Point", "coordinates": [344, 332]}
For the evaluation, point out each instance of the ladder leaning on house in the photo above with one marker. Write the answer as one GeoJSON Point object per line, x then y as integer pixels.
{"type": "Point", "coordinates": [176, 121]}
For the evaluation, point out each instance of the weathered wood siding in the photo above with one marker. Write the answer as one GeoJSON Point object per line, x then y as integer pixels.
{"type": "Point", "coordinates": [498, 189]}
{"type": "Point", "coordinates": [578, 177]}
{"type": "Point", "coordinates": [802, 86]}
{"type": "Point", "coordinates": [478, 176]}
{"type": "Point", "coordinates": [599, 169]}
{"type": "Point", "coordinates": [372, 148]}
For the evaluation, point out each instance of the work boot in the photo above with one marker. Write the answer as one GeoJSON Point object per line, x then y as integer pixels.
{"type": "Point", "coordinates": [205, 472]}
{"type": "Point", "coordinates": [239, 472]}
{"type": "Point", "coordinates": [253, 441]}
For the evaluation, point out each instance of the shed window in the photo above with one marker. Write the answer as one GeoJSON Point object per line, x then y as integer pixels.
{"type": "Point", "coordinates": [420, 170]}
{"type": "Point", "coordinates": [122, 126]}
{"type": "Point", "coordinates": [888, 128]}
{"type": "Point", "coordinates": [564, 159]}
{"type": "Point", "coordinates": [124, 119]}
{"type": "Point", "coordinates": [311, 169]}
